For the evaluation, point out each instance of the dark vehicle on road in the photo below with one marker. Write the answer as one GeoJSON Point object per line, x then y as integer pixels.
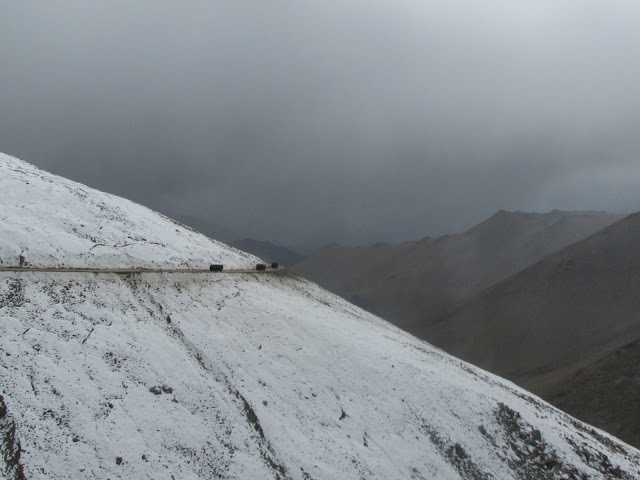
{"type": "Point", "coordinates": [274, 265]}
{"type": "Point", "coordinates": [216, 267]}
{"type": "Point", "coordinates": [261, 266]}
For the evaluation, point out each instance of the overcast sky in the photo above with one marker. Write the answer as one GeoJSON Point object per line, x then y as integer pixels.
{"type": "Point", "coordinates": [354, 121]}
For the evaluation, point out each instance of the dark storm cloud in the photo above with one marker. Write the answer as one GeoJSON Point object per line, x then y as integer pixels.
{"type": "Point", "coordinates": [305, 122]}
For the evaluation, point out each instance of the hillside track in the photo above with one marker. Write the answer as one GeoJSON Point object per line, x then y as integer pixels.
{"type": "Point", "coordinates": [128, 271]}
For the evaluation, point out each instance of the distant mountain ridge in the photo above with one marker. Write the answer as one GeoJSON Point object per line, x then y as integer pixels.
{"type": "Point", "coordinates": [602, 270]}
{"type": "Point", "coordinates": [416, 284]}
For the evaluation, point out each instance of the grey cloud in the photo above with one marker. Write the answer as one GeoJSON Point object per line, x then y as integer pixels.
{"type": "Point", "coordinates": [305, 122]}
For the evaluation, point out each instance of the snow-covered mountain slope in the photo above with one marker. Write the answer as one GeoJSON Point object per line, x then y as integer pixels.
{"type": "Point", "coordinates": [254, 376]}
{"type": "Point", "coordinates": [54, 222]}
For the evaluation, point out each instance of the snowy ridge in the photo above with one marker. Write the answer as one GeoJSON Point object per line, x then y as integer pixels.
{"type": "Point", "coordinates": [54, 222]}
{"type": "Point", "coordinates": [245, 376]}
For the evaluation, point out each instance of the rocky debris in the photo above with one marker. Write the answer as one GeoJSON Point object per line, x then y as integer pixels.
{"type": "Point", "coordinates": [598, 461]}
{"type": "Point", "coordinates": [456, 456]}
{"type": "Point", "coordinates": [157, 390]}
{"type": "Point", "coordinates": [10, 448]}
{"type": "Point", "coordinates": [13, 294]}
{"type": "Point", "coordinates": [535, 459]}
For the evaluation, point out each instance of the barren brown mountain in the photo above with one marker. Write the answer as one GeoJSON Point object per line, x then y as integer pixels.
{"type": "Point", "coordinates": [602, 390]}
{"type": "Point", "coordinates": [567, 328]}
{"type": "Point", "coordinates": [415, 284]}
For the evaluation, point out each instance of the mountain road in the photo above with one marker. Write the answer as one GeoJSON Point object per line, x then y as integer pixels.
{"type": "Point", "coordinates": [127, 271]}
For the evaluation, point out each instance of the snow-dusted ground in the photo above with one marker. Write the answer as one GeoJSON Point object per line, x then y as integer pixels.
{"type": "Point", "coordinates": [54, 222]}
{"type": "Point", "coordinates": [182, 376]}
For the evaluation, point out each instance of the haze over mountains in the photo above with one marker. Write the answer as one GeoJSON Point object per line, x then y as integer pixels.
{"type": "Point", "coordinates": [567, 327]}
{"type": "Point", "coordinates": [415, 284]}
{"type": "Point", "coordinates": [161, 375]}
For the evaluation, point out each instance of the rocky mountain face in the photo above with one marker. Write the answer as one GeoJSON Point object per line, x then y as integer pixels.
{"type": "Point", "coordinates": [234, 375]}
{"type": "Point", "coordinates": [416, 284]}
{"type": "Point", "coordinates": [566, 327]}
